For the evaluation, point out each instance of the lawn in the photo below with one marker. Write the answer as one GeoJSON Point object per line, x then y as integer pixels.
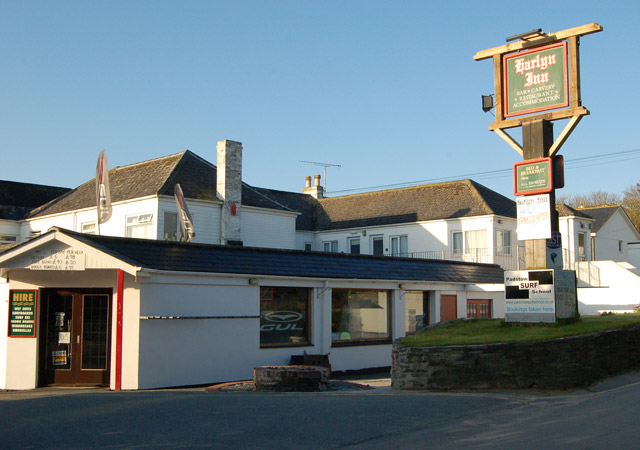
{"type": "Point", "coordinates": [493, 331]}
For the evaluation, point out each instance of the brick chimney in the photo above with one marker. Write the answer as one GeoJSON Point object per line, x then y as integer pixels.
{"type": "Point", "coordinates": [315, 191]}
{"type": "Point", "coordinates": [229, 190]}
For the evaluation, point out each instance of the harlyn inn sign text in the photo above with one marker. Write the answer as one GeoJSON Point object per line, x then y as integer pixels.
{"type": "Point", "coordinates": [536, 80]}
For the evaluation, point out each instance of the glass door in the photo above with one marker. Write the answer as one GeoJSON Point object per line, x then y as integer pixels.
{"type": "Point", "coordinates": [74, 337]}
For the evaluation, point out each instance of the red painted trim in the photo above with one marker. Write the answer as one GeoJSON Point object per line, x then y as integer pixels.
{"type": "Point", "coordinates": [119, 330]}
{"type": "Point", "coordinates": [551, 187]}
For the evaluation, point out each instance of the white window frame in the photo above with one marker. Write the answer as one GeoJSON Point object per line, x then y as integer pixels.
{"type": "Point", "coordinates": [8, 239]}
{"type": "Point", "coordinates": [139, 221]}
{"type": "Point", "coordinates": [330, 246]}
{"type": "Point", "coordinates": [88, 228]}
{"type": "Point", "coordinates": [377, 237]}
{"type": "Point", "coordinates": [399, 245]}
{"type": "Point", "coordinates": [501, 247]}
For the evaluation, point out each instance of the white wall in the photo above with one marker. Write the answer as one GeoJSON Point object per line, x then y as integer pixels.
{"type": "Point", "coordinates": [265, 228]}
{"type": "Point", "coordinates": [606, 240]}
{"type": "Point", "coordinates": [570, 227]}
{"type": "Point", "coordinates": [205, 216]}
{"type": "Point", "coordinates": [434, 237]}
{"type": "Point", "coordinates": [620, 289]}
{"type": "Point", "coordinates": [115, 226]}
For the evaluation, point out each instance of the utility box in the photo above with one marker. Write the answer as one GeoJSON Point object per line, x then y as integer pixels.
{"type": "Point", "coordinates": [540, 295]}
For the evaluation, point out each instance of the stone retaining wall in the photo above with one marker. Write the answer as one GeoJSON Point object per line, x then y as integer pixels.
{"type": "Point", "coordinates": [558, 364]}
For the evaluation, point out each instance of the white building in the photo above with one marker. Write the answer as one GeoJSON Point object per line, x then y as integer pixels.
{"type": "Point", "coordinates": [138, 314]}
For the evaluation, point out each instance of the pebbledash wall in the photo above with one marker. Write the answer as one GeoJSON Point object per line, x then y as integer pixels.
{"type": "Point", "coordinates": [565, 363]}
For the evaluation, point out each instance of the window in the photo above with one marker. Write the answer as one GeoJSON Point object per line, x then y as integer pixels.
{"type": "Point", "coordinates": [479, 309]}
{"type": "Point", "coordinates": [620, 246]}
{"type": "Point", "coordinates": [330, 246]}
{"type": "Point", "coordinates": [503, 242]}
{"type": "Point", "coordinates": [170, 231]}
{"type": "Point", "coordinates": [457, 242]}
{"type": "Point", "coordinates": [353, 244]}
{"type": "Point", "coordinates": [399, 246]}
{"type": "Point", "coordinates": [284, 316]}
{"type": "Point", "coordinates": [417, 310]}
{"type": "Point", "coordinates": [360, 315]}
{"type": "Point", "coordinates": [582, 239]}
{"type": "Point", "coordinates": [308, 246]}
{"type": "Point", "coordinates": [8, 239]}
{"type": "Point", "coordinates": [139, 226]}
{"type": "Point", "coordinates": [377, 244]}
{"type": "Point", "coordinates": [88, 228]}
{"type": "Point", "coordinates": [473, 241]}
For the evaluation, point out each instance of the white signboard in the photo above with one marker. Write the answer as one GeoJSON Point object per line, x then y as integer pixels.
{"type": "Point", "coordinates": [529, 296]}
{"type": "Point", "coordinates": [57, 259]}
{"type": "Point", "coordinates": [534, 217]}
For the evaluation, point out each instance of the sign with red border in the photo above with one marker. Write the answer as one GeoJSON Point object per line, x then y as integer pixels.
{"type": "Point", "coordinates": [22, 313]}
{"type": "Point", "coordinates": [533, 176]}
{"type": "Point", "coordinates": [536, 80]}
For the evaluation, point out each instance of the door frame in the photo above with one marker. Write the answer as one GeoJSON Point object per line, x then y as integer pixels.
{"type": "Point", "coordinates": [76, 376]}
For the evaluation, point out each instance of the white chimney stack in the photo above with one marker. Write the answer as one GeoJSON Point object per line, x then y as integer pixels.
{"type": "Point", "coordinates": [229, 190]}
{"type": "Point", "coordinates": [315, 191]}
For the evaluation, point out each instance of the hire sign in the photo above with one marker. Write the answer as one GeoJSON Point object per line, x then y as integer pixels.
{"type": "Point", "coordinates": [22, 313]}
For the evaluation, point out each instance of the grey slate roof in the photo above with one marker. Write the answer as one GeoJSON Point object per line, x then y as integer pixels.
{"type": "Point", "coordinates": [565, 210]}
{"type": "Point", "coordinates": [600, 214]}
{"type": "Point", "coordinates": [18, 199]}
{"type": "Point", "coordinates": [196, 176]}
{"type": "Point", "coordinates": [189, 257]}
{"type": "Point", "coordinates": [453, 199]}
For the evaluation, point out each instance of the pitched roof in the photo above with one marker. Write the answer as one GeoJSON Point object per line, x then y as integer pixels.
{"type": "Point", "coordinates": [17, 199]}
{"type": "Point", "coordinates": [206, 258]}
{"type": "Point", "coordinates": [565, 210]}
{"type": "Point", "coordinates": [453, 199]}
{"type": "Point", "coordinates": [196, 176]}
{"type": "Point", "coordinates": [601, 214]}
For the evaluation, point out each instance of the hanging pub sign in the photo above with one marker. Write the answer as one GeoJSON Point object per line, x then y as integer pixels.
{"type": "Point", "coordinates": [22, 313]}
{"type": "Point", "coordinates": [536, 80]}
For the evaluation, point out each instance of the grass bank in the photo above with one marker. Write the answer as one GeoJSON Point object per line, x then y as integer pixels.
{"type": "Point", "coordinates": [494, 331]}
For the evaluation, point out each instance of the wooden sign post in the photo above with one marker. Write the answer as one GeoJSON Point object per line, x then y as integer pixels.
{"type": "Point", "coordinates": [537, 81]}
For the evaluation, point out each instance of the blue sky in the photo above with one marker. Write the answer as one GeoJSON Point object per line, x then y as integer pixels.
{"type": "Point", "coordinates": [387, 90]}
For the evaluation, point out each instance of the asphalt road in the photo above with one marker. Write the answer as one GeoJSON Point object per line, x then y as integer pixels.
{"type": "Point", "coordinates": [603, 417]}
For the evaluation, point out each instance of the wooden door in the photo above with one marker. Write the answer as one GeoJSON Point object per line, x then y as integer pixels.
{"type": "Point", "coordinates": [448, 307]}
{"type": "Point", "coordinates": [74, 337]}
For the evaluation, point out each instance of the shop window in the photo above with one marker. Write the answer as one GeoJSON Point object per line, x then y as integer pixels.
{"type": "Point", "coordinates": [330, 246]}
{"type": "Point", "coordinates": [479, 309]}
{"type": "Point", "coordinates": [360, 315]}
{"type": "Point", "coordinates": [417, 310]}
{"type": "Point", "coordinates": [284, 316]}
{"type": "Point", "coordinates": [139, 226]}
